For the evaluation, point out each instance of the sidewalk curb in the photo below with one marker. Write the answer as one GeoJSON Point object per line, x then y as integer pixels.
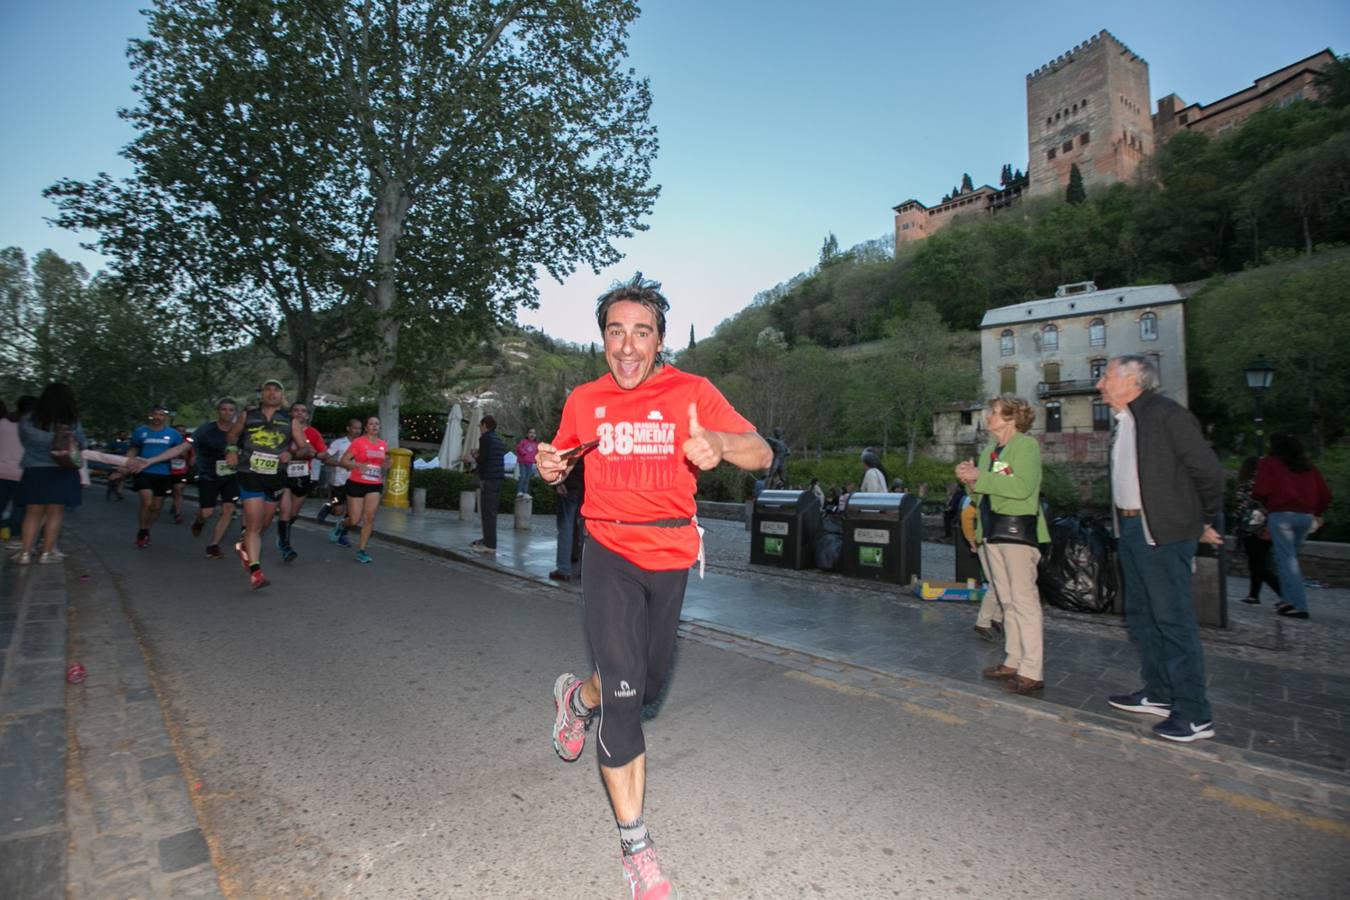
{"type": "Point", "coordinates": [1250, 773]}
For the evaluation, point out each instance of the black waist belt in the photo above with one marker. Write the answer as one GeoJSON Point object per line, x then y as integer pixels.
{"type": "Point", "coordinates": [655, 523]}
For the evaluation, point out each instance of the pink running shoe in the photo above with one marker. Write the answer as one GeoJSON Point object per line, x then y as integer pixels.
{"type": "Point", "coordinates": [569, 731]}
{"type": "Point", "coordinates": [646, 881]}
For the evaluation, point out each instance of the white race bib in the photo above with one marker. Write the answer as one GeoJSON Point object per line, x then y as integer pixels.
{"type": "Point", "coordinates": [372, 473]}
{"type": "Point", "coordinates": [223, 468]}
{"type": "Point", "coordinates": [264, 463]}
{"type": "Point", "coordinates": [297, 469]}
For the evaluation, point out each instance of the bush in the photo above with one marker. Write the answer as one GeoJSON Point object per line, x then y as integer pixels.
{"type": "Point", "coordinates": [1335, 466]}
{"type": "Point", "coordinates": [443, 489]}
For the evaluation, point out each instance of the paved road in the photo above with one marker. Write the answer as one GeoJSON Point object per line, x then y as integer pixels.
{"type": "Point", "coordinates": [381, 731]}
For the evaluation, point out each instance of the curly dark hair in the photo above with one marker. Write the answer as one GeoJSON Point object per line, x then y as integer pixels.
{"type": "Point", "coordinates": [636, 290]}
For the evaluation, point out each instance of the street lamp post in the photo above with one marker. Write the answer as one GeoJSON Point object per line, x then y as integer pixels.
{"type": "Point", "coordinates": [1260, 374]}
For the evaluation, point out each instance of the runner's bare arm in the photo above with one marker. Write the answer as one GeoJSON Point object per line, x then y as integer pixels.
{"type": "Point", "coordinates": [705, 449]}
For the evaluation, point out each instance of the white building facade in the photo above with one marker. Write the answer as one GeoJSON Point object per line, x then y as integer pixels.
{"type": "Point", "coordinates": [1052, 352]}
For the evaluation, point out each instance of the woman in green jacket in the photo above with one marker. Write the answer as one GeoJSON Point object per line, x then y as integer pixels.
{"type": "Point", "coordinates": [1006, 486]}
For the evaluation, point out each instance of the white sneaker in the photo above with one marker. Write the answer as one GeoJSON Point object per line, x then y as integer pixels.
{"type": "Point", "coordinates": [22, 559]}
{"type": "Point", "coordinates": [49, 559]}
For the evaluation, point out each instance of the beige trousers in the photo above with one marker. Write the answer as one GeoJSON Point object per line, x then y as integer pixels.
{"type": "Point", "coordinates": [1012, 572]}
{"type": "Point", "coordinates": [990, 609]}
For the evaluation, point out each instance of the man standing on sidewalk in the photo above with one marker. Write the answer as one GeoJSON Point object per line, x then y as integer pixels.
{"type": "Point", "coordinates": [652, 427]}
{"type": "Point", "coordinates": [491, 472]}
{"type": "Point", "coordinates": [1167, 490]}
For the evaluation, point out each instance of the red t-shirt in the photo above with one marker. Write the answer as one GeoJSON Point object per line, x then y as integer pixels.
{"type": "Point", "coordinates": [369, 457]}
{"type": "Point", "coordinates": [639, 473]}
{"type": "Point", "coordinates": [315, 440]}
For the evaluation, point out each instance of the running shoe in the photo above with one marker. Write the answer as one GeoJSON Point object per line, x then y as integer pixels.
{"type": "Point", "coordinates": [362, 556]}
{"type": "Point", "coordinates": [322, 517]}
{"type": "Point", "coordinates": [288, 554]}
{"type": "Point", "coordinates": [242, 554]}
{"type": "Point", "coordinates": [257, 580]}
{"type": "Point", "coordinates": [646, 881]}
{"type": "Point", "coordinates": [197, 525]}
{"type": "Point", "coordinates": [569, 730]}
{"type": "Point", "coordinates": [143, 541]}
{"type": "Point", "coordinates": [22, 559]}
{"type": "Point", "coordinates": [49, 559]}
{"type": "Point", "coordinates": [337, 534]}
{"type": "Point", "coordinates": [342, 540]}
{"type": "Point", "coordinates": [213, 551]}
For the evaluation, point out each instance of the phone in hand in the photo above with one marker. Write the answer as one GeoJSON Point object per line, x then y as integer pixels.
{"type": "Point", "coordinates": [579, 450]}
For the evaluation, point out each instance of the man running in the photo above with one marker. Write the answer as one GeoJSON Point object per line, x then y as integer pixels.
{"type": "Point", "coordinates": [216, 482]}
{"type": "Point", "coordinates": [654, 427]}
{"type": "Point", "coordinates": [259, 449]}
{"type": "Point", "coordinates": [337, 501]}
{"type": "Point", "coordinates": [153, 482]}
{"type": "Point", "coordinates": [298, 480]}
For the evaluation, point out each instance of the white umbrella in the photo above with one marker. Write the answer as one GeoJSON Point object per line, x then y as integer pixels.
{"type": "Point", "coordinates": [471, 433]}
{"type": "Point", "coordinates": [452, 445]}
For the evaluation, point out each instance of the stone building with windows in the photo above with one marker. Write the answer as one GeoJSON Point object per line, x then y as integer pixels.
{"type": "Point", "coordinates": [1297, 81]}
{"type": "Point", "coordinates": [1052, 352]}
{"type": "Point", "coordinates": [1088, 107]}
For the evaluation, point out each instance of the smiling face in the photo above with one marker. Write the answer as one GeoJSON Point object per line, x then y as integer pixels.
{"type": "Point", "coordinates": [632, 343]}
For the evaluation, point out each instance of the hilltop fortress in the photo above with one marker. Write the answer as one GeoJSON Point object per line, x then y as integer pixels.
{"type": "Point", "coordinates": [1089, 107]}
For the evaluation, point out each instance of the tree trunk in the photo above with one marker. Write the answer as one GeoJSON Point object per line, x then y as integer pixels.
{"type": "Point", "coordinates": [1307, 236]}
{"type": "Point", "coordinates": [389, 216]}
{"type": "Point", "coordinates": [909, 446]}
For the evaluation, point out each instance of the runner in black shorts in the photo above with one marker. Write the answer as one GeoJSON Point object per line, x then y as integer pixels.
{"type": "Point", "coordinates": [298, 480]}
{"type": "Point", "coordinates": [649, 428]}
{"type": "Point", "coordinates": [152, 481]}
{"type": "Point", "coordinates": [259, 448]}
{"type": "Point", "coordinates": [216, 483]}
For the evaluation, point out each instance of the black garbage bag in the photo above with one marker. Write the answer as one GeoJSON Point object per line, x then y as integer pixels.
{"type": "Point", "coordinates": [829, 544]}
{"type": "Point", "coordinates": [1079, 572]}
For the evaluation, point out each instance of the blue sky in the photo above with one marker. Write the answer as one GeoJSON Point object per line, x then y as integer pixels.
{"type": "Point", "coordinates": [779, 121]}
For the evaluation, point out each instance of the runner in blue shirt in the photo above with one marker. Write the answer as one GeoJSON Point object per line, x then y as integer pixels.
{"type": "Point", "coordinates": [152, 482]}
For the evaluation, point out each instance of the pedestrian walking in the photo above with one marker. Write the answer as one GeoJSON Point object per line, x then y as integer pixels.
{"type": "Point", "coordinates": [874, 476]}
{"type": "Point", "coordinates": [491, 457]}
{"type": "Point", "coordinates": [1010, 527]}
{"type": "Point", "coordinates": [1167, 493]}
{"type": "Point", "coordinates": [1296, 498]}
{"type": "Point", "coordinates": [1252, 533]}
{"type": "Point", "coordinates": [52, 439]}
{"type": "Point", "coordinates": [526, 450]}
{"type": "Point", "coordinates": [652, 428]}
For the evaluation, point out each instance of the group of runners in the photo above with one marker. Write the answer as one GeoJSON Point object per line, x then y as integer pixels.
{"type": "Point", "coordinates": [260, 460]}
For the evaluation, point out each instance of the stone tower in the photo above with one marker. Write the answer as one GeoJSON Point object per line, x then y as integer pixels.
{"type": "Point", "coordinates": [1088, 107]}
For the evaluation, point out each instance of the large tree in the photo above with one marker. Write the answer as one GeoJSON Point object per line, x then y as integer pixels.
{"type": "Point", "coordinates": [376, 167]}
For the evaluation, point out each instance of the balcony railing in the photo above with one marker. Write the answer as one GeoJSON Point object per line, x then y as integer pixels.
{"type": "Point", "coordinates": [1064, 388]}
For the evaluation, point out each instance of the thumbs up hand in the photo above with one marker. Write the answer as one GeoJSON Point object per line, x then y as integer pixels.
{"type": "Point", "coordinates": [703, 448]}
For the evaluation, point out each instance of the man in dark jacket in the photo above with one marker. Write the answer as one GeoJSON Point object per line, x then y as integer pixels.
{"type": "Point", "coordinates": [1167, 491]}
{"type": "Point", "coordinates": [491, 471]}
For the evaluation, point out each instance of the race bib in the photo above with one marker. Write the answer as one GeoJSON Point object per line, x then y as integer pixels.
{"type": "Point", "coordinates": [178, 466]}
{"type": "Point", "coordinates": [297, 469]}
{"type": "Point", "coordinates": [264, 463]}
{"type": "Point", "coordinates": [372, 473]}
{"type": "Point", "coordinates": [223, 468]}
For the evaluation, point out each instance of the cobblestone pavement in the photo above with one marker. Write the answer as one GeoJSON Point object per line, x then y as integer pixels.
{"type": "Point", "coordinates": [95, 802]}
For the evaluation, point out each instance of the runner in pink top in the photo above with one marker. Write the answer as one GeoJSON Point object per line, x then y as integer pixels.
{"type": "Point", "coordinates": [367, 459]}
